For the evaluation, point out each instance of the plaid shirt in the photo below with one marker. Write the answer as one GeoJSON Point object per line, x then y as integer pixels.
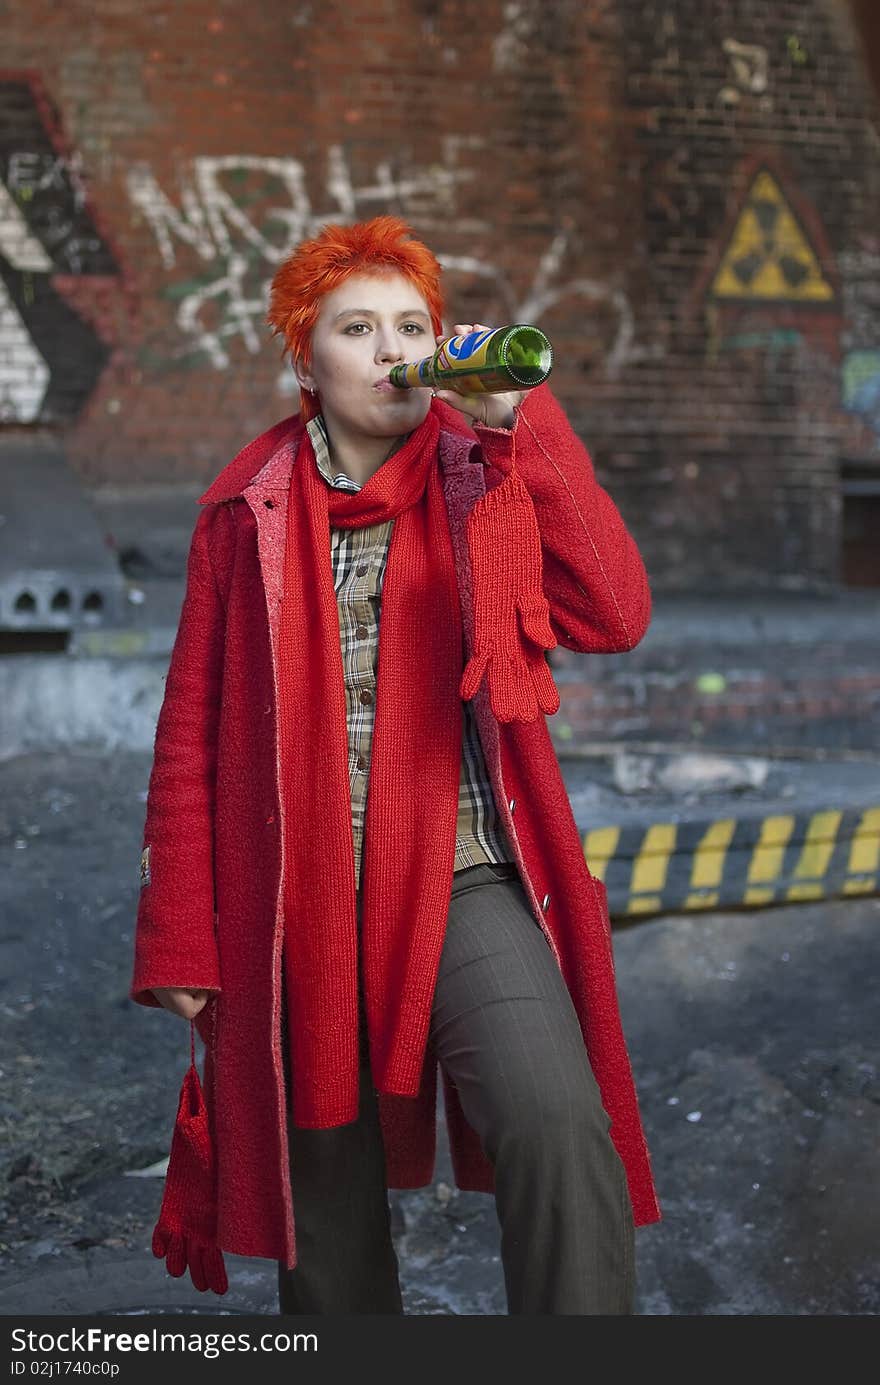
{"type": "Point", "coordinates": [359, 557]}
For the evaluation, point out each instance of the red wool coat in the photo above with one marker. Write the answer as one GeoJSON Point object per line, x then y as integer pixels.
{"type": "Point", "coordinates": [211, 912]}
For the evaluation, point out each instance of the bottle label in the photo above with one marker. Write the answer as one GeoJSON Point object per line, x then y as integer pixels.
{"type": "Point", "coordinates": [485, 373]}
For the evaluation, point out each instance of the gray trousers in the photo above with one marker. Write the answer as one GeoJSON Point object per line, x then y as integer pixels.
{"type": "Point", "coordinates": [504, 1027]}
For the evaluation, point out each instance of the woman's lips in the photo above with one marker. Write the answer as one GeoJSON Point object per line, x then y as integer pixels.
{"type": "Point", "coordinates": [385, 387]}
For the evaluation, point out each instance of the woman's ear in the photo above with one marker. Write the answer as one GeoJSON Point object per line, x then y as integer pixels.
{"type": "Point", "coordinates": [304, 376]}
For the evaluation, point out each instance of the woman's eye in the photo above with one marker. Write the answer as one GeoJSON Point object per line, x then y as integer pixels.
{"type": "Point", "coordinates": [350, 329]}
{"type": "Point", "coordinates": [416, 328]}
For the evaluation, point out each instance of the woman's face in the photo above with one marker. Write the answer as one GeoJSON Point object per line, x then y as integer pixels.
{"type": "Point", "coordinates": [367, 325]}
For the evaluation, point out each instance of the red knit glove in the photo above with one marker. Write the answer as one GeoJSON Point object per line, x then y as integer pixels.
{"type": "Point", "coordinates": [511, 612]}
{"type": "Point", "coordinates": [186, 1229]}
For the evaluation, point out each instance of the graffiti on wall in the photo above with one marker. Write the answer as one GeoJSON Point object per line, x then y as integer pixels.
{"type": "Point", "coordinates": [50, 354]}
{"type": "Point", "coordinates": [241, 215]}
{"type": "Point", "coordinates": [747, 75]}
{"type": "Point", "coordinates": [860, 366]}
{"type": "Point", "coordinates": [860, 379]}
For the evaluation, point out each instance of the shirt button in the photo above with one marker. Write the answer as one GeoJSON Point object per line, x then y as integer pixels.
{"type": "Point", "coordinates": [366, 696]}
{"type": "Point", "coordinates": [361, 631]}
{"type": "Point", "coordinates": [362, 570]}
{"type": "Point", "coordinates": [362, 762]}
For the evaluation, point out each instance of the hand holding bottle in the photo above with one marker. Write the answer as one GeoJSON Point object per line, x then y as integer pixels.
{"type": "Point", "coordinates": [489, 410]}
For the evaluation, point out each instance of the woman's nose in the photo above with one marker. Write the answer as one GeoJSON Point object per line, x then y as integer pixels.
{"type": "Point", "coordinates": [389, 349]}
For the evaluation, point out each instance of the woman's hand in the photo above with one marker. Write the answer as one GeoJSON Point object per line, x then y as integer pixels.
{"type": "Point", "coordinates": [182, 1001]}
{"type": "Point", "coordinates": [492, 410]}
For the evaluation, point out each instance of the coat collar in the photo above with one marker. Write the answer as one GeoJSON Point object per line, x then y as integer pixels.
{"type": "Point", "coordinates": [265, 463]}
{"type": "Point", "coordinates": [250, 464]}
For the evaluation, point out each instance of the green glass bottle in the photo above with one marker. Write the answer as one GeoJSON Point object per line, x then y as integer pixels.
{"type": "Point", "coordinates": [489, 362]}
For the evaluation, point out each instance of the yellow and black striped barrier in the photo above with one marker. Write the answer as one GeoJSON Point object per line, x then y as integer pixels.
{"type": "Point", "coordinates": [671, 867]}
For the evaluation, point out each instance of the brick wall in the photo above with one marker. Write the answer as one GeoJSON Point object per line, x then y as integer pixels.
{"type": "Point", "coordinates": [759, 698]}
{"type": "Point", "coordinates": [685, 195]}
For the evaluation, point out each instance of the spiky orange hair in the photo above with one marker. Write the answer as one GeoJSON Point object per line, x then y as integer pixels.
{"type": "Point", "coordinates": [317, 266]}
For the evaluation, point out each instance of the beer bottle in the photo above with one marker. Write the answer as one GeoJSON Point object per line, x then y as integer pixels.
{"type": "Point", "coordinates": [489, 362]}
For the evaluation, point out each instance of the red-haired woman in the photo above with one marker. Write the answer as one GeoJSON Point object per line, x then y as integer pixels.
{"type": "Point", "coordinates": [360, 864]}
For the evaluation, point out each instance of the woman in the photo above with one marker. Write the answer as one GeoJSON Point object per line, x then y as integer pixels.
{"type": "Point", "coordinates": [360, 861]}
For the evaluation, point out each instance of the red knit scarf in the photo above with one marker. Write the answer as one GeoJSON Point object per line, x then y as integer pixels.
{"type": "Point", "coordinates": [412, 805]}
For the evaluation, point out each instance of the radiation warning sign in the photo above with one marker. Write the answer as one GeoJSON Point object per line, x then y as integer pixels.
{"type": "Point", "coordinates": [769, 255]}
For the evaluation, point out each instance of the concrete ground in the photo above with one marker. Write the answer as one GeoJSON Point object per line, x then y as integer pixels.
{"type": "Point", "coordinates": [754, 1038]}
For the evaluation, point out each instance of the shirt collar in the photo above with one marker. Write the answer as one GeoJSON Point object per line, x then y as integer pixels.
{"type": "Point", "coordinates": [317, 431]}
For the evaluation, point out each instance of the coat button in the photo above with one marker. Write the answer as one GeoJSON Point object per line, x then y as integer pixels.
{"type": "Point", "coordinates": [362, 570]}
{"type": "Point", "coordinates": [362, 762]}
{"type": "Point", "coordinates": [544, 902]}
{"type": "Point", "coordinates": [361, 631]}
{"type": "Point", "coordinates": [270, 504]}
{"type": "Point", "coordinates": [512, 804]}
{"type": "Point", "coordinates": [366, 696]}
